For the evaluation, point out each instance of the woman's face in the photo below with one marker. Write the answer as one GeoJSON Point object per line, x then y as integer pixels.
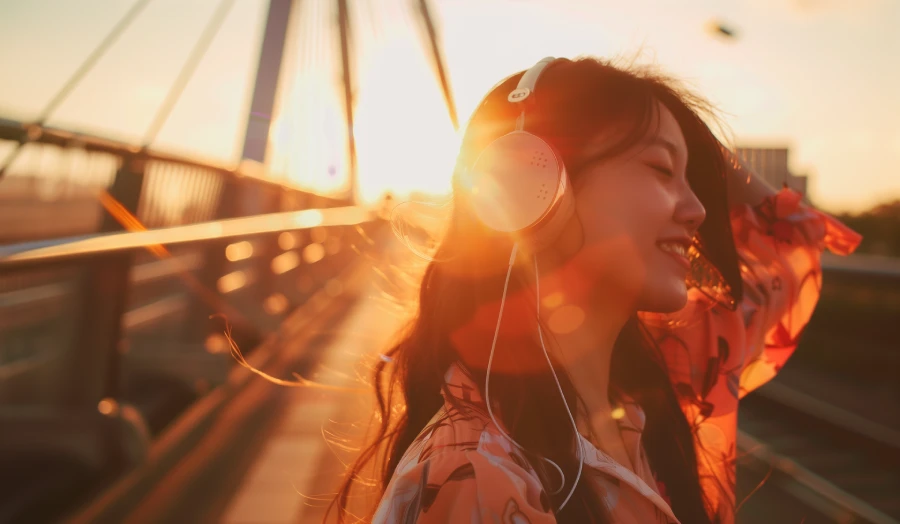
{"type": "Point", "coordinates": [634, 208]}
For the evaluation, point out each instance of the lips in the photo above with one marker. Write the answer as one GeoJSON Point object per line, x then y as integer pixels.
{"type": "Point", "coordinates": [677, 250]}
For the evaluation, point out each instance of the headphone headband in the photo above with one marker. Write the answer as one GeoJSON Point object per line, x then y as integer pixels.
{"type": "Point", "coordinates": [526, 86]}
{"type": "Point", "coordinates": [529, 81]}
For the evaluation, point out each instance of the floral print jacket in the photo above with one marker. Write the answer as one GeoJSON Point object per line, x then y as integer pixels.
{"type": "Point", "coordinates": [461, 468]}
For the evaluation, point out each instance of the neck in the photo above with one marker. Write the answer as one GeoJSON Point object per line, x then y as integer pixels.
{"type": "Point", "coordinates": [581, 333]}
{"type": "Point", "coordinates": [586, 355]}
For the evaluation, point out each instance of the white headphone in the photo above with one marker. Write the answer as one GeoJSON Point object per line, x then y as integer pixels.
{"type": "Point", "coordinates": [519, 186]}
{"type": "Point", "coordinates": [518, 182]}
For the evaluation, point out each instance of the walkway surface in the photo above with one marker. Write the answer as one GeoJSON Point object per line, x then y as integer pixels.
{"type": "Point", "coordinates": [298, 470]}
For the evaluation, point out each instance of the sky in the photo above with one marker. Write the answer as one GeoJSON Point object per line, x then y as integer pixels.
{"type": "Point", "coordinates": [817, 76]}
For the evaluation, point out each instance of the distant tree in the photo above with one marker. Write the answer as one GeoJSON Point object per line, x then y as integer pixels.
{"type": "Point", "coordinates": [880, 228]}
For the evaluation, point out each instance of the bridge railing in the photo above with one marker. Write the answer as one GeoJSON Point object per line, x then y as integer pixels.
{"type": "Point", "coordinates": [854, 332]}
{"type": "Point", "coordinates": [106, 292]}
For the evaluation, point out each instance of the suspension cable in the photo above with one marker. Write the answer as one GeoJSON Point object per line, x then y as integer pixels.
{"type": "Point", "coordinates": [76, 77]}
{"type": "Point", "coordinates": [437, 58]}
{"type": "Point", "coordinates": [187, 70]}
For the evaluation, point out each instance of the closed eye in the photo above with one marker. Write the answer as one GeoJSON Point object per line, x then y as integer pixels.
{"type": "Point", "coordinates": [662, 169]}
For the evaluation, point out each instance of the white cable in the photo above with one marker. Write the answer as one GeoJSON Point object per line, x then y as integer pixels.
{"type": "Point", "coordinates": [487, 381]}
{"type": "Point", "coordinates": [537, 285]}
{"type": "Point", "coordinates": [487, 378]}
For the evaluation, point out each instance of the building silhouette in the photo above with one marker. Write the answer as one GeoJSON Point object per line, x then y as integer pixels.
{"type": "Point", "coordinates": [771, 163]}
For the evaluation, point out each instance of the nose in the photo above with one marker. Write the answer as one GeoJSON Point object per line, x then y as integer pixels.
{"type": "Point", "coordinates": [690, 211]}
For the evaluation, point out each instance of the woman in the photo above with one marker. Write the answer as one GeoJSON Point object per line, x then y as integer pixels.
{"type": "Point", "coordinates": [615, 368]}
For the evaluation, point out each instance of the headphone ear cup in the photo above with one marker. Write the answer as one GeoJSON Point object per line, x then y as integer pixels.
{"type": "Point", "coordinates": [518, 185]}
{"type": "Point", "coordinates": [560, 216]}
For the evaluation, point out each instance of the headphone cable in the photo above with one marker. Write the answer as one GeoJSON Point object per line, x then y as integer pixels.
{"type": "Point", "coordinates": [487, 380]}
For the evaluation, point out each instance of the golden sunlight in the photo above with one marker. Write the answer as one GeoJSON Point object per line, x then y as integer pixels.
{"type": "Point", "coordinates": [404, 138]}
{"type": "Point", "coordinates": [310, 141]}
{"type": "Point", "coordinates": [405, 141]}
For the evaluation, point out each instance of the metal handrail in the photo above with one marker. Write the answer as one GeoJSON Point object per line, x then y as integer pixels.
{"type": "Point", "coordinates": [28, 255]}
{"type": "Point", "coordinates": [810, 488]}
{"type": "Point", "coordinates": [40, 134]}
{"type": "Point", "coordinates": [875, 265]}
{"type": "Point", "coordinates": [37, 133]}
{"type": "Point", "coordinates": [62, 249]}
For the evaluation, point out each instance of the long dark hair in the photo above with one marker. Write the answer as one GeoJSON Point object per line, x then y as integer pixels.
{"type": "Point", "coordinates": [576, 100]}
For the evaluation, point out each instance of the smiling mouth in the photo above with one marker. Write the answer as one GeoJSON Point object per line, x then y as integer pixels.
{"type": "Point", "coordinates": [677, 251]}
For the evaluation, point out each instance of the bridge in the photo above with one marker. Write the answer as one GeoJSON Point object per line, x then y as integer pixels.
{"type": "Point", "coordinates": [179, 336]}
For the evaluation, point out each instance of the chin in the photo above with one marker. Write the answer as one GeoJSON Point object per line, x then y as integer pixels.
{"type": "Point", "coordinates": [664, 299]}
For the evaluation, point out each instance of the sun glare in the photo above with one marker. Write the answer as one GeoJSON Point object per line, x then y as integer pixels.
{"type": "Point", "coordinates": [405, 141]}
{"type": "Point", "coordinates": [310, 138]}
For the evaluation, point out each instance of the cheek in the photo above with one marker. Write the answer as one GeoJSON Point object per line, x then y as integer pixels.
{"type": "Point", "coordinates": [621, 224]}
{"type": "Point", "coordinates": [612, 252]}
{"type": "Point", "coordinates": [638, 212]}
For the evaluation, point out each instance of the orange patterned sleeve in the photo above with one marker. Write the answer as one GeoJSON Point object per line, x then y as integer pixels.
{"type": "Point", "coordinates": [464, 486]}
{"type": "Point", "coordinates": [780, 243]}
